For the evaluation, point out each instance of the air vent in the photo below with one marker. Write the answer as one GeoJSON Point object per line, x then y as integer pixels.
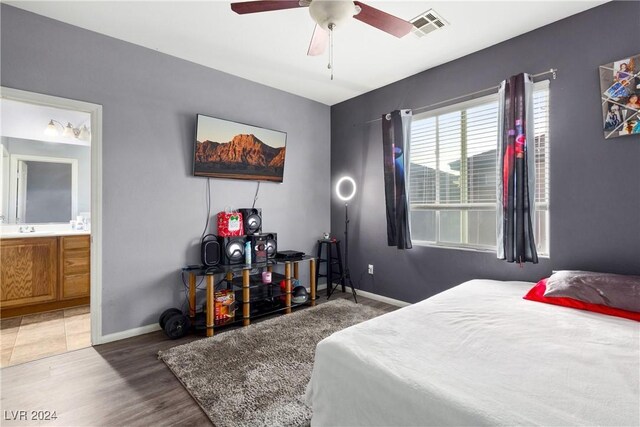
{"type": "Point", "coordinates": [427, 22]}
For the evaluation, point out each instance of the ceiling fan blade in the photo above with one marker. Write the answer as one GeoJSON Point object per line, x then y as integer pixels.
{"type": "Point", "coordinates": [383, 21]}
{"type": "Point", "coordinates": [264, 6]}
{"type": "Point", "coordinates": [318, 41]}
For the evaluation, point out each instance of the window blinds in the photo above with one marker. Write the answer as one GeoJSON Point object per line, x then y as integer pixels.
{"type": "Point", "coordinates": [452, 172]}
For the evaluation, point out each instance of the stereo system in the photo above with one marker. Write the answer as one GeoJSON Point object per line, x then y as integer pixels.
{"type": "Point", "coordinates": [232, 249]}
{"type": "Point", "coordinates": [272, 244]}
{"type": "Point", "coordinates": [209, 251]}
{"type": "Point", "coordinates": [258, 248]}
{"type": "Point", "coordinates": [251, 220]}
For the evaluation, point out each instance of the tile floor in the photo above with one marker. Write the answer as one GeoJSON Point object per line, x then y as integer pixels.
{"type": "Point", "coordinates": [35, 336]}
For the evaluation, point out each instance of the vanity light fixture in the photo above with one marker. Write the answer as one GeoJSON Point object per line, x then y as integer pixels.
{"type": "Point", "coordinates": [68, 131]}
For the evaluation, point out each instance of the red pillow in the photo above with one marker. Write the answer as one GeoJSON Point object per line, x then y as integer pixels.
{"type": "Point", "coordinates": [537, 294]}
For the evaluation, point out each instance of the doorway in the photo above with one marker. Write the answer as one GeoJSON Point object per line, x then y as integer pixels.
{"type": "Point", "coordinates": [50, 225]}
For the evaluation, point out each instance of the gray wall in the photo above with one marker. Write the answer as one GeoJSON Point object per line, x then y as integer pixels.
{"type": "Point", "coordinates": [48, 192]}
{"type": "Point", "coordinates": [51, 149]}
{"type": "Point", "coordinates": [154, 210]}
{"type": "Point", "coordinates": [595, 183]}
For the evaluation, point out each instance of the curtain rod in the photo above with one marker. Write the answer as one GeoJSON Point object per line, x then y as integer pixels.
{"type": "Point", "coordinates": [472, 95]}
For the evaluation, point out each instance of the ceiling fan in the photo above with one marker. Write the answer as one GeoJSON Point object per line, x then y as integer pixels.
{"type": "Point", "coordinates": [329, 14]}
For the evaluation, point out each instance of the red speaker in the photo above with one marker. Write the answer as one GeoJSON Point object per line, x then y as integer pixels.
{"type": "Point", "coordinates": [209, 251]}
{"type": "Point", "coordinates": [251, 220]}
{"type": "Point", "coordinates": [272, 244]}
{"type": "Point", "coordinates": [232, 249]}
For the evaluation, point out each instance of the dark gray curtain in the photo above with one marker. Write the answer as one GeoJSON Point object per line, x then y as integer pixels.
{"type": "Point", "coordinates": [516, 172]}
{"type": "Point", "coordinates": [396, 132]}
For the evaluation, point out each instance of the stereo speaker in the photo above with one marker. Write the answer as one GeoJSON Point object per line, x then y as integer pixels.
{"type": "Point", "coordinates": [209, 251]}
{"type": "Point", "coordinates": [232, 249]}
{"type": "Point", "coordinates": [251, 220]}
{"type": "Point", "coordinates": [258, 247]}
{"type": "Point", "coordinates": [272, 244]}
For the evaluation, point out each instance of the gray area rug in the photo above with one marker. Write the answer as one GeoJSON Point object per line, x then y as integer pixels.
{"type": "Point", "coordinates": [257, 376]}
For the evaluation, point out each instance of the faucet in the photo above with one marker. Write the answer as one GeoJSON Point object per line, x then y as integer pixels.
{"type": "Point", "coordinates": [27, 229]}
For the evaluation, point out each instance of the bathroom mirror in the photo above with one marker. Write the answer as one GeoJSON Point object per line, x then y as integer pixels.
{"type": "Point", "coordinates": [45, 189]}
{"type": "Point", "coordinates": [45, 173]}
{"type": "Point", "coordinates": [44, 182]}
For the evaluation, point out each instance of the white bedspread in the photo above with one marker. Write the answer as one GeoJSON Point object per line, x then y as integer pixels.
{"type": "Point", "coordinates": [478, 354]}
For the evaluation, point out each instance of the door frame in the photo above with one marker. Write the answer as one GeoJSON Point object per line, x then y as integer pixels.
{"type": "Point", "coordinates": [95, 110]}
{"type": "Point", "coordinates": [13, 176]}
{"type": "Point", "coordinates": [19, 186]}
{"type": "Point", "coordinates": [4, 213]}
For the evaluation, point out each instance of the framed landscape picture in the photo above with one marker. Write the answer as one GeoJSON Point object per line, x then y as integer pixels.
{"type": "Point", "coordinates": [620, 93]}
{"type": "Point", "coordinates": [226, 149]}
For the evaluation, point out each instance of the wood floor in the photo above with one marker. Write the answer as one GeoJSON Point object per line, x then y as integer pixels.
{"type": "Point", "coordinates": [116, 384]}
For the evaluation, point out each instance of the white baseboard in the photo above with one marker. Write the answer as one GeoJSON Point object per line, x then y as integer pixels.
{"type": "Point", "coordinates": [373, 296]}
{"type": "Point", "coordinates": [382, 298]}
{"type": "Point", "coordinates": [128, 333]}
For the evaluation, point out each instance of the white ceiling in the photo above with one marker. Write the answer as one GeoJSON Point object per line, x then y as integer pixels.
{"type": "Point", "coordinates": [270, 48]}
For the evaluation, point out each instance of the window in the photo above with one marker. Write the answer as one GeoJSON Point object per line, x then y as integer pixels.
{"type": "Point", "coordinates": [452, 173]}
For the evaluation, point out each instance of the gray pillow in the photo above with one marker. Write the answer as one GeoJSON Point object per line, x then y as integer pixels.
{"type": "Point", "coordinates": [613, 290]}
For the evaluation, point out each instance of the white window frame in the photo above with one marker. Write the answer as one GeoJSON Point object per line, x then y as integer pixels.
{"type": "Point", "coordinates": [465, 207]}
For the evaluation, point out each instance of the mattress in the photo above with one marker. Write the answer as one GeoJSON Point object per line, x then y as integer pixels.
{"type": "Point", "coordinates": [478, 354]}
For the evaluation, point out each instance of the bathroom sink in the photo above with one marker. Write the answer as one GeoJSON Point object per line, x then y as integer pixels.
{"type": "Point", "coordinates": [15, 234]}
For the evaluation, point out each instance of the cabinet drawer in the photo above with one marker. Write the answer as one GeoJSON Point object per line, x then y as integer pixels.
{"type": "Point", "coordinates": [75, 262]}
{"type": "Point", "coordinates": [76, 285]}
{"type": "Point", "coordinates": [76, 242]}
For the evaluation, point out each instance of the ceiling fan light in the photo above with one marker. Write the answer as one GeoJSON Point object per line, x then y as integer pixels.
{"type": "Point", "coordinates": [326, 12]}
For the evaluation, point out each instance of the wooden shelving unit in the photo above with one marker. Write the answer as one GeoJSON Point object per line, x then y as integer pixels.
{"type": "Point", "coordinates": [256, 298]}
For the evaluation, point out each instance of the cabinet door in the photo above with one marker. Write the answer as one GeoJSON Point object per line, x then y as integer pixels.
{"type": "Point", "coordinates": [75, 263]}
{"type": "Point", "coordinates": [29, 271]}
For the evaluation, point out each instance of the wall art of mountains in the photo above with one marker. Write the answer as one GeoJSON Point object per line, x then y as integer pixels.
{"type": "Point", "coordinates": [244, 157]}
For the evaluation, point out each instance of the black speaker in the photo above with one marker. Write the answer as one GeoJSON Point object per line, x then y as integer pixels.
{"type": "Point", "coordinates": [232, 249]}
{"type": "Point", "coordinates": [272, 244]}
{"type": "Point", "coordinates": [258, 247]}
{"type": "Point", "coordinates": [209, 251]}
{"type": "Point", "coordinates": [251, 220]}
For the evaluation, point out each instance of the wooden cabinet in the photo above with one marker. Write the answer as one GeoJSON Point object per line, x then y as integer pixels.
{"type": "Point", "coordinates": [43, 273]}
{"type": "Point", "coordinates": [74, 267]}
{"type": "Point", "coordinates": [29, 271]}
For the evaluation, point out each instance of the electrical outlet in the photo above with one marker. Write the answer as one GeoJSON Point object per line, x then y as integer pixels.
{"type": "Point", "coordinates": [370, 269]}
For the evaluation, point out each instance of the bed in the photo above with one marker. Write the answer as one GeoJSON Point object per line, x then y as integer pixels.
{"type": "Point", "coordinates": [478, 354]}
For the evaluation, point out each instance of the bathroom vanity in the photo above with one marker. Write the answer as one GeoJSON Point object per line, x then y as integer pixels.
{"type": "Point", "coordinates": [45, 208]}
{"type": "Point", "coordinates": [43, 270]}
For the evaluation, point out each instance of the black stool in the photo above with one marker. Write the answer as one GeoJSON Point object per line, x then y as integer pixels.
{"type": "Point", "coordinates": [332, 260]}
{"type": "Point", "coordinates": [334, 272]}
